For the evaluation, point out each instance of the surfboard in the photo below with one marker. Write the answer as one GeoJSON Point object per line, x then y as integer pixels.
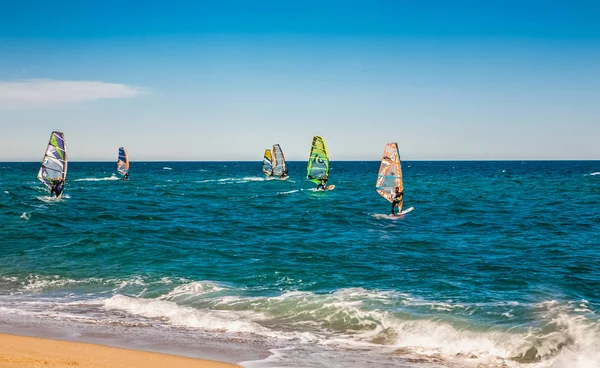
{"type": "Point", "coordinates": [410, 209]}
{"type": "Point", "coordinates": [389, 216]}
{"type": "Point", "coordinates": [328, 188]}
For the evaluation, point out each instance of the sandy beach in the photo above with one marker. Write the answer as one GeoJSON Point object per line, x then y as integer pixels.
{"type": "Point", "coordinates": [21, 351]}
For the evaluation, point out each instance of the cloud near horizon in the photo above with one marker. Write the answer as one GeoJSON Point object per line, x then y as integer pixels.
{"type": "Point", "coordinates": [44, 92]}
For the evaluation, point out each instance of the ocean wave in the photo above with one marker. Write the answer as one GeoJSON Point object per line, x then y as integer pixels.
{"type": "Point", "coordinates": [558, 334]}
{"type": "Point", "coordinates": [167, 168]}
{"type": "Point", "coordinates": [39, 283]}
{"type": "Point", "coordinates": [182, 316]}
{"type": "Point", "coordinates": [193, 289]}
{"type": "Point", "coordinates": [594, 173]}
{"type": "Point", "coordinates": [356, 317]}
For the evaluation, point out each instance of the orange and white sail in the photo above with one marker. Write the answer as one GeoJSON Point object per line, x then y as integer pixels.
{"type": "Point", "coordinates": [390, 173]}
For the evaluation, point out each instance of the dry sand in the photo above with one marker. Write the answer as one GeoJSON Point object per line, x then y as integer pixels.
{"type": "Point", "coordinates": [20, 351]}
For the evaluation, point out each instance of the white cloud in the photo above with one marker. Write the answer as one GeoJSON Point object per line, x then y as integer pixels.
{"type": "Point", "coordinates": [44, 92]}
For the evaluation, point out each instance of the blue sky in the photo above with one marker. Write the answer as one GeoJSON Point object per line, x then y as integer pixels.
{"type": "Point", "coordinates": [224, 80]}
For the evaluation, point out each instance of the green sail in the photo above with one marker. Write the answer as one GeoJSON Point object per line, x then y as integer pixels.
{"type": "Point", "coordinates": [318, 161]}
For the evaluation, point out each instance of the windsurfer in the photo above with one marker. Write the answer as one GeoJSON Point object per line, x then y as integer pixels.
{"type": "Point", "coordinates": [397, 202]}
{"type": "Point", "coordinates": [57, 187]}
{"type": "Point", "coordinates": [323, 184]}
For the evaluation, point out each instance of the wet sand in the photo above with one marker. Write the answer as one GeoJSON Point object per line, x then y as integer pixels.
{"type": "Point", "coordinates": [21, 351]}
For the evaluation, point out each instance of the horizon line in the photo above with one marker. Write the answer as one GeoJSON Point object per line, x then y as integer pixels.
{"type": "Point", "coordinates": [416, 160]}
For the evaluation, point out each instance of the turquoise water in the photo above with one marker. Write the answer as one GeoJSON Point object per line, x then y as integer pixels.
{"type": "Point", "coordinates": [498, 265]}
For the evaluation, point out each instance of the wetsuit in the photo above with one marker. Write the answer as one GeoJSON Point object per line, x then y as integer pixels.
{"type": "Point", "coordinates": [57, 187]}
{"type": "Point", "coordinates": [322, 184]}
{"type": "Point", "coordinates": [397, 200]}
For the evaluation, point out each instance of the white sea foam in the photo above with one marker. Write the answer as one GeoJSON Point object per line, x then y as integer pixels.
{"type": "Point", "coordinates": [232, 180]}
{"type": "Point", "coordinates": [289, 192]}
{"type": "Point", "coordinates": [167, 168]}
{"type": "Point", "coordinates": [182, 316]}
{"type": "Point", "coordinates": [562, 336]}
{"type": "Point", "coordinates": [25, 216]}
{"type": "Point", "coordinates": [37, 283]}
{"type": "Point", "coordinates": [243, 180]}
{"type": "Point", "coordinates": [192, 289]}
{"type": "Point", "coordinates": [113, 177]}
{"type": "Point", "coordinates": [594, 173]}
{"type": "Point", "coordinates": [49, 199]}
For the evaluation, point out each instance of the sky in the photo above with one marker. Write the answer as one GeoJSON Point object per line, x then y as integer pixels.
{"type": "Point", "coordinates": [223, 80]}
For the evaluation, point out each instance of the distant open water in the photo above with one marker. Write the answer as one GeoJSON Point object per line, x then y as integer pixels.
{"type": "Point", "coordinates": [497, 266]}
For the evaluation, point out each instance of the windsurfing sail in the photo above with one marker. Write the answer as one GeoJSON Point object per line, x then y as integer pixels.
{"type": "Point", "coordinates": [390, 173]}
{"type": "Point", "coordinates": [279, 168]}
{"type": "Point", "coordinates": [54, 163]}
{"type": "Point", "coordinates": [123, 161]}
{"type": "Point", "coordinates": [267, 166]}
{"type": "Point", "coordinates": [318, 161]}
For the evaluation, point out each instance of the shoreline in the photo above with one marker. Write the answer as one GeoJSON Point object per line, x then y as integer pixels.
{"type": "Point", "coordinates": [179, 342]}
{"type": "Point", "coordinates": [26, 351]}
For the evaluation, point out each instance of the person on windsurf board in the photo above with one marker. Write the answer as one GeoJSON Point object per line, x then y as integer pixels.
{"type": "Point", "coordinates": [389, 179]}
{"type": "Point", "coordinates": [53, 169]}
{"type": "Point", "coordinates": [318, 164]}
{"type": "Point", "coordinates": [322, 184]}
{"type": "Point", "coordinates": [123, 163]}
{"type": "Point", "coordinates": [57, 187]}
{"type": "Point", "coordinates": [397, 202]}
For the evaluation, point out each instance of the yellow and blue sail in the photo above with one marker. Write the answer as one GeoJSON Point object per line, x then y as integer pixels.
{"type": "Point", "coordinates": [267, 166]}
{"type": "Point", "coordinates": [123, 161]}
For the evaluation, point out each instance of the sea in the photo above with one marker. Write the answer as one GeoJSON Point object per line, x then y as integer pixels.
{"type": "Point", "coordinates": [498, 265]}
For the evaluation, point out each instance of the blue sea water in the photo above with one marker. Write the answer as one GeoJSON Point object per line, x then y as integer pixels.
{"type": "Point", "coordinates": [497, 266]}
